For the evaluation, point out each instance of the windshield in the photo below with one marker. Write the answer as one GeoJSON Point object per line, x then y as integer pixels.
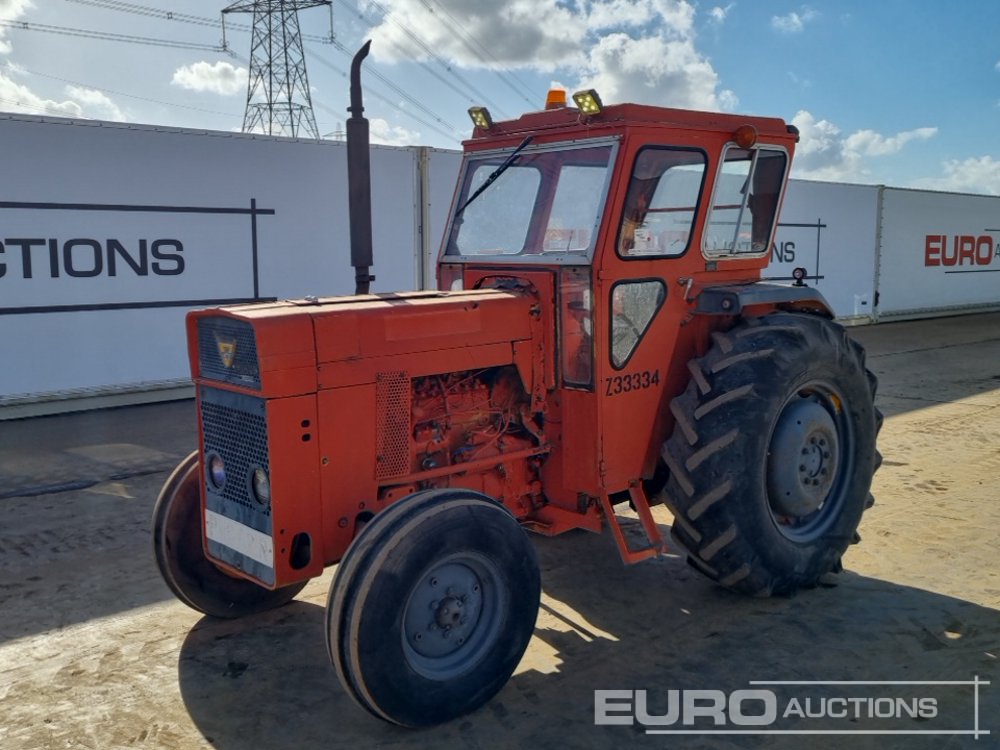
{"type": "Point", "coordinates": [547, 202]}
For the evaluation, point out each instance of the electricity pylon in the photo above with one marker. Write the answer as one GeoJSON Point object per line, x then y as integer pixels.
{"type": "Point", "coordinates": [278, 99]}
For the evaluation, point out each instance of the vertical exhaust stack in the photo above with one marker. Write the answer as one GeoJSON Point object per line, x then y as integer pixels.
{"type": "Point", "coordinates": [359, 180]}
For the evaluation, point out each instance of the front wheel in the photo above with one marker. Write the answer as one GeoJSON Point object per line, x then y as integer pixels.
{"type": "Point", "coordinates": [772, 453]}
{"type": "Point", "coordinates": [180, 557]}
{"type": "Point", "coordinates": [432, 607]}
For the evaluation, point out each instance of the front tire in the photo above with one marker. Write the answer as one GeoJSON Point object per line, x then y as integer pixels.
{"type": "Point", "coordinates": [772, 453]}
{"type": "Point", "coordinates": [180, 557]}
{"type": "Point", "coordinates": [432, 607]}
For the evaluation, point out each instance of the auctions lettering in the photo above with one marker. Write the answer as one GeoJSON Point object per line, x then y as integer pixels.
{"type": "Point", "coordinates": [87, 258]}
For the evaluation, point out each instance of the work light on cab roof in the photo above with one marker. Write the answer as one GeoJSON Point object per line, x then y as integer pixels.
{"type": "Point", "coordinates": [587, 101]}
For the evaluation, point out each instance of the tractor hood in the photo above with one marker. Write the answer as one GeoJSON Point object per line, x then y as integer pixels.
{"type": "Point", "coordinates": [296, 347]}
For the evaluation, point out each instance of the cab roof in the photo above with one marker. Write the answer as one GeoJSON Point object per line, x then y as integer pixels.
{"type": "Point", "coordinates": [620, 116]}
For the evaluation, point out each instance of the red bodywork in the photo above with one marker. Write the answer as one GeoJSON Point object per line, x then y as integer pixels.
{"type": "Point", "coordinates": [371, 398]}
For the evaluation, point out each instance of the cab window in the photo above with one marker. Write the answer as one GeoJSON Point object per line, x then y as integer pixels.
{"type": "Point", "coordinates": [661, 202]}
{"type": "Point", "coordinates": [747, 193]}
{"type": "Point", "coordinates": [547, 201]}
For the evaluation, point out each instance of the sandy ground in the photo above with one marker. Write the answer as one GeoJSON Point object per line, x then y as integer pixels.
{"type": "Point", "coordinates": [94, 652]}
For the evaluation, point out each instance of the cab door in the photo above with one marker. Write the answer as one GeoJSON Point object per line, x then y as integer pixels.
{"type": "Point", "coordinates": [642, 302]}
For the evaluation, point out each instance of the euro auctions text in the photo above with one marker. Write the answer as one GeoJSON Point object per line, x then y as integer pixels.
{"type": "Point", "coordinates": [796, 707]}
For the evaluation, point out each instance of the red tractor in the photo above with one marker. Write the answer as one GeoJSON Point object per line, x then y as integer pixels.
{"type": "Point", "coordinates": [601, 337]}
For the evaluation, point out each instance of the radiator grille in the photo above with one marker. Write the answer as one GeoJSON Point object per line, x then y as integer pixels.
{"type": "Point", "coordinates": [392, 404]}
{"type": "Point", "coordinates": [238, 433]}
{"type": "Point", "coordinates": [222, 340]}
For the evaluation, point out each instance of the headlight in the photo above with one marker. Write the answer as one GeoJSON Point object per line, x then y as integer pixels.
{"type": "Point", "coordinates": [216, 471]}
{"type": "Point", "coordinates": [260, 483]}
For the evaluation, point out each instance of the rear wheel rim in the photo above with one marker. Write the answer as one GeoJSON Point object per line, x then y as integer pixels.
{"type": "Point", "coordinates": [810, 458]}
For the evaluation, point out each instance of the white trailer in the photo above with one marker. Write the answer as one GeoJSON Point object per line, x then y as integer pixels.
{"type": "Point", "coordinates": [110, 233]}
{"type": "Point", "coordinates": [938, 254]}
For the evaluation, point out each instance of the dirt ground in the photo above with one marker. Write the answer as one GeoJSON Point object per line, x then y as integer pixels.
{"type": "Point", "coordinates": [95, 653]}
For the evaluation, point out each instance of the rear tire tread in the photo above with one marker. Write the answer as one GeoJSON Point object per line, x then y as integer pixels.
{"type": "Point", "coordinates": [703, 456]}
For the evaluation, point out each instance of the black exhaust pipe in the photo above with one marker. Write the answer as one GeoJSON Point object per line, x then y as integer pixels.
{"type": "Point", "coordinates": [359, 181]}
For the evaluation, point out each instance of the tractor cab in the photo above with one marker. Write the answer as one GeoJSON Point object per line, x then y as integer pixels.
{"type": "Point", "coordinates": [618, 218]}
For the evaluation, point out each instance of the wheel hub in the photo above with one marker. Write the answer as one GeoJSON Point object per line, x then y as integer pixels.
{"type": "Point", "coordinates": [444, 611]}
{"type": "Point", "coordinates": [803, 459]}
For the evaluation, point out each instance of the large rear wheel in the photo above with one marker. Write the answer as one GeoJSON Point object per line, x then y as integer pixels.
{"type": "Point", "coordinates": [772, 453]}
{"type": "Point", "coordinates": [432, 607]}
{"type": "Point", "coordinates": [178, 547]}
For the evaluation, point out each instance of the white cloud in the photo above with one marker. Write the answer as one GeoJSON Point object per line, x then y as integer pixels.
{"type": "Point", "coordinates": [16, 97]}
{"type": "Point", "coordinates": [81, 103]}
{"type": "Point", "coordinates": [718, 13]}
{"type": "Point", "coordinates": [518, 33]}
{"type": "Point", "coordinates": [391, 135]}
{"type": "Point", "coordinates": [652, 70]}
{"type": "Point", "coordinates": [973, 175]}
{"type": "Point", "coordinates": [629, 50]}
{"type": "Point", "coordinates": [794, 22]}
{"type": "Point", "coordinates": [218, 78]}
{"type": "Point", "coordinates": [618, 14]}
{"type": "Point", "coordinates": [870, 143]}
{"type": "Point", "coordinates": [11, 10]}
{"type": "Point", "coordinates": [96, 104]}
{"type": "Point", "coordinates": [803, 82]}
{"type": "Point", "coordinates": [824, 153]}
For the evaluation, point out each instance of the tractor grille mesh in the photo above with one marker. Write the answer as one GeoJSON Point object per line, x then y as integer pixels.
{"type": "Point", "coordinates": [219, 335]}
{"type": "Point", "coordinates": [240, 437]}
{"type": "Point", "coordinates": [392, 404]}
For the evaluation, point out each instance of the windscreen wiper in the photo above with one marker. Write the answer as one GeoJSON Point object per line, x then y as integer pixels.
{"type": "Point", "coordinates": [494, 174]}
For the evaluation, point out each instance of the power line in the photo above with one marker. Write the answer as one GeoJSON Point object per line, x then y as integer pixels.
{"type": "Point", "coordinates": [481, 51]}
{"type": "Point", "coordinates": [169, 15]}
{"type": "Point", "coordinates": [143, 10]}
{"type": "Point", "coordinates": [130, 96]}
{"type": "Point", "coordinates": [399, 90]}
{"type": "Point", "coordinates": [153, 12]}
{"type": "Point", "coordinates": [471, 92]}
{"type": "Point", "coordinates": [390, 102]}
{"type": "Point", "coordinates": [40, 108]}
{"type": "Point", "coordinates": [108, 36]}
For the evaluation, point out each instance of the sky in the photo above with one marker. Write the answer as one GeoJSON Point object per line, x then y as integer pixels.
{"type": "Point", "coordinates": [903, 93]}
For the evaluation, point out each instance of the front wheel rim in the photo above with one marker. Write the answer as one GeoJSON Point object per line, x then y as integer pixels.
{"type": "Point", "coordinates": [452, 616]}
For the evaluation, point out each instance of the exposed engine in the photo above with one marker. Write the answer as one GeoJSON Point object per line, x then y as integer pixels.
{"type": "Point", "coordinates": [467, 416]}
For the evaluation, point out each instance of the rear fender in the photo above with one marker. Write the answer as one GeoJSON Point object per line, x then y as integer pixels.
{"type": "Point", "coordinates": [758, 298]}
